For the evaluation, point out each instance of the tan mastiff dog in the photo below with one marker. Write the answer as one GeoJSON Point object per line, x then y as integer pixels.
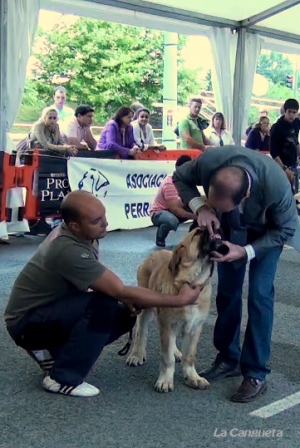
{"type": "Point", "coordinates": [167, 271]}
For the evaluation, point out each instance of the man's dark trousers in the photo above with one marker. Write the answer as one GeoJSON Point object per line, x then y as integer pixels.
{"type": "Point", "coordinates": [255, 353]}
{"type": "Point", "coordinates": [75, 330]}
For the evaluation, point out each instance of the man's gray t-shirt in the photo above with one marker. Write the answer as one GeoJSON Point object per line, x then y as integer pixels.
{"type": "Point", "coordinates": [63, 264]}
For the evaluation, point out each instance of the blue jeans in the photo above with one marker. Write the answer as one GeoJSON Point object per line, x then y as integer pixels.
{"type": "Point", "coordinates": [255, 353]}
{"type": "Point", "coordinates": [165, 217]}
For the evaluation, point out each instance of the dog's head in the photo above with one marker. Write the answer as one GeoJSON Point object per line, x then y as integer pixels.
{"type": "Point", "coordinates": [190, 261]}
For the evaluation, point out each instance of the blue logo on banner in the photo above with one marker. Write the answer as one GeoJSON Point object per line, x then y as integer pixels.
{"type": "Point", "coordinates": [94, 181]}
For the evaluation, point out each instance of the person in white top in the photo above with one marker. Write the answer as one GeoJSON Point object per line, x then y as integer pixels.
{"type": "Point", "coordinates": [64, 113]}
{"type": "Point", "coordinates": [143, 132]}
{"type": "Point", "coordinates": [217, 133]}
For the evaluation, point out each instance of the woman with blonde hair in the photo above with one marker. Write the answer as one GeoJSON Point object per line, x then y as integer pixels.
{"type": "Point", "coordinates": [45, 135]}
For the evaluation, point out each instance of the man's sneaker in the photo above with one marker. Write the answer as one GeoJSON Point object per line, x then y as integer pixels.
{"type": "Point", "coordinates": [43, 358]}
{"type": "Point", "coordinates": [83, 390]}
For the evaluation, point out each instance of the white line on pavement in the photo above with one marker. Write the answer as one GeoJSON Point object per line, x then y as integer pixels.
{"type": "Point", "coordinates": [277, 406]}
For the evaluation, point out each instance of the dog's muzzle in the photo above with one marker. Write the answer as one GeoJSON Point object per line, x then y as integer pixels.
{"type": "Point", "coordinates": [217, 245]}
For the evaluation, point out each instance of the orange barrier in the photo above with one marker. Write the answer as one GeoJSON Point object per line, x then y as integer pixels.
{"type": "Point", "coordinates": [19, 176]}
{"type": "Point", "coordinates": [169, 154]}
{"type": "Point", "coordinates": [23, 176]}
{"type": "Point", "coordinates": [9, 181]}
{"type": "Point", "coordinates": [26, 178]}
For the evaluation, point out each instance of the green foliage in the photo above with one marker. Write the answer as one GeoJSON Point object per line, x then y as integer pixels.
{"type": "Point", "coordinates": [275, 67]}
{"type": "Point", "coordinates": [110, 65]}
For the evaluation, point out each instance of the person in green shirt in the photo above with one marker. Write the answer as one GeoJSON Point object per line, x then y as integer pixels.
{"type": "Point", "coordinates": [67, 305]}
{"type": "Point", "coordinates": [190, 129]}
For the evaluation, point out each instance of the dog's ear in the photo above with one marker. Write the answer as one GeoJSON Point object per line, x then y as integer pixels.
{"type": "Point", "coordinates": [176, 259]}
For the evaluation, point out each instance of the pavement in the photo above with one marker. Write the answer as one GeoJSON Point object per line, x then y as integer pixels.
{"type": "Point", "coordinates": [128, 413]}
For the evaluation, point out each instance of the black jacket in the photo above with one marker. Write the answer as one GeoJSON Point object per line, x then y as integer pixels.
{"type": "Point", "coordinates": [284, 139]}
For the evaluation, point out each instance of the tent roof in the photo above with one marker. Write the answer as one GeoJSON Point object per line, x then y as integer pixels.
{"type": "Point", "coordinates": [276, 21]}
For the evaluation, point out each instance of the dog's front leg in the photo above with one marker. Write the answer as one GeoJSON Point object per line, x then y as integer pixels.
{"type": "Point", "coordinates": [138, 354]}
{"type": "Point", "coordinates": [168, 333]}
{"type": "Point", "coordinates": [189, 348]}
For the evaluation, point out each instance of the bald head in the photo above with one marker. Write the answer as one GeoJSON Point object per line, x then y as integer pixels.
{"type": "Point", "coordinates": [230, 182]}
{"type": "Point", "coordinates": [84, 215]}
{"type": "Point", "coordinates": [76, 204]}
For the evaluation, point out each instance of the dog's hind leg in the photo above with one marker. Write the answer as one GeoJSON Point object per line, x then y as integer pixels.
{"type": "Point", "coordinates": [138, 355]}
{"type": "Point", "coordinates": [189, 347]}
{"type": "Point", "coordinates": [168, 333]}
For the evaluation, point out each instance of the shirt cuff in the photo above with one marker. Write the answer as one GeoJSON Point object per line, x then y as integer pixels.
{"type": "Point", "coordinates": [196, 203]}
{"type": "Point", "coordinates": [250, 252]}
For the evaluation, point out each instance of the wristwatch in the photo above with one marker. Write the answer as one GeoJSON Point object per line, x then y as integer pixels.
{"type": "Point", "coordinates": [284, 167]}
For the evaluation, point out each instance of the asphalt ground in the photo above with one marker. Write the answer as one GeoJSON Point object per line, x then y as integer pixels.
{"type": "Point", "coordinates": [128, 413]}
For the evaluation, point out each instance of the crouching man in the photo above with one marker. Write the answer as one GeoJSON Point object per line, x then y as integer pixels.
{"type": "Point", "coordinates": [65, 303]}
{"type": "Point", "coordinates": [167, 210]}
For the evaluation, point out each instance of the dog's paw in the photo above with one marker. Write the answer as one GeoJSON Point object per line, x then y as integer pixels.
{"type": "Point", "coordinates": [178, 355]}
{"type": "Point", "coordinates": [135, 360]}
{"type": "Point", "coordinates": [164, 387]}
{"type": "Point", "coordinates": [197, 382]}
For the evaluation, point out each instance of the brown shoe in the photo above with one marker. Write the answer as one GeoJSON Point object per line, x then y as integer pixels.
{"type": "Point", "coordinates": [249, 390]}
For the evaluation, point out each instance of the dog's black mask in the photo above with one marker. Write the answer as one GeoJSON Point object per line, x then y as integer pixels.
{"type": "Point", "coordinates": [207, 245]}
{"type": "Point", "coordinates": [217, 245]}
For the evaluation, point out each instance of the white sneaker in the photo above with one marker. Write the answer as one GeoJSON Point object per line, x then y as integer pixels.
{"type": "Point", "coordinates": [83, 390]}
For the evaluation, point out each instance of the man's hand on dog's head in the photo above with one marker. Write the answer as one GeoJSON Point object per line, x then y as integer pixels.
{"type": "Point", "coordinates": [235, 253]}
{"type": "Point", "coordinates": [188, 295]}
{"type": "Point", "coordinates": [207, 219]}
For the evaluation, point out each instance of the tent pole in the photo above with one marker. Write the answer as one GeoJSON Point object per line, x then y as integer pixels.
{"type": "Point", "coordinates": [3, 72]}
{"type": "Point", "coordinates": [170, 90]}
{"type": "Point", "coordinates": [238, 86]}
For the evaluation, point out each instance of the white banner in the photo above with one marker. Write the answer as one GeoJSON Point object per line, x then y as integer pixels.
{"type": "Point", "coordinates": [125, 187]}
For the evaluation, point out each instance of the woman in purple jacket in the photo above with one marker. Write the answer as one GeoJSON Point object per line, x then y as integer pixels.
{"type": "Point", "coordinates": [118, 134]}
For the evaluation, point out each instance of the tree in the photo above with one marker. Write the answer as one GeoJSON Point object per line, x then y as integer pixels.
{"type": "Point", "coordinates": [275, 67]}
{"type": "Point", "coordinates": [110, 65]}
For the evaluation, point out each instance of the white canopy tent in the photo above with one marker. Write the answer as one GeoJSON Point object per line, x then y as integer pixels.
{"type": "Point", "coordinates": [237, 31]}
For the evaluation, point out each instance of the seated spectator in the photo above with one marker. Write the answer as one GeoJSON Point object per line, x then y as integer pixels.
{"type": "Point", "coordinates": [217, 134]}
{"type": "Point", "coordinates": [190, 129]}
{"type": "Point", "coordinates": [64, 112]}
{"type": "Point", "coordinates": [262, 113]}
{"type": "Point", "coordinates": [143, 132]}
{"type": "Point", "coordinates": [45, 135]}
{"type": "Point", "coordinates": [259, 137]}
{"type": "Point", "coordinates": [66, 306]}
{"type": "Point", "coordinates": [167, 210]}
{"type": "Point", "coordinates": [135, 107]}
{"type": "Point", "coordinates": [117, 134]}
{"type": "Point", "coordinates": [78, 130]}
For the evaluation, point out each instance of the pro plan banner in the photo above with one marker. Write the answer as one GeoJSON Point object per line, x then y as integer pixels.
{"type": "Point", "coordinates": [125, 187]}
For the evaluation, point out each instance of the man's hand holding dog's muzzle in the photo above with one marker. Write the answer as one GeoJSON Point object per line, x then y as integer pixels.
{"type": "Point", "coordinates": [234, 253]}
